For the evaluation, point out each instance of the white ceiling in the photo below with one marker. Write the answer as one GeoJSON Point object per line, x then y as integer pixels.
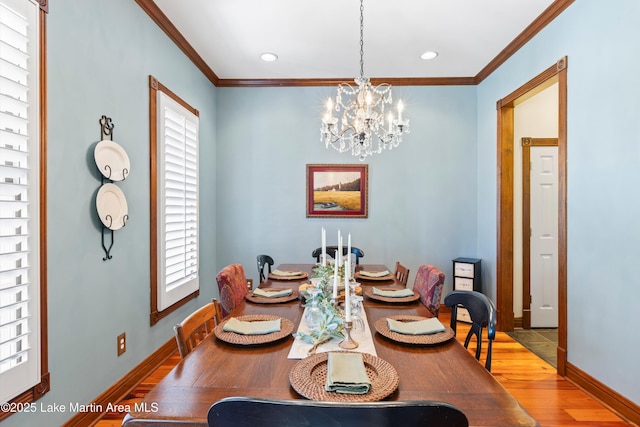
{"type": "Point", "coordinates": [320, 39]}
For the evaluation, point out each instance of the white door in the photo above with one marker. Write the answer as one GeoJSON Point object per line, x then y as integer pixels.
{"type": "Point", "coordinates": [544, 237]}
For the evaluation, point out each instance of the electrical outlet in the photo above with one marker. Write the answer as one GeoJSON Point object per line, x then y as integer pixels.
{"type": "Point", "coordinates": [122, 343]}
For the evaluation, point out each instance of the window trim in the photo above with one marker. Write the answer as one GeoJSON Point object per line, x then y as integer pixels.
{"type": "Point", "coordinates": [154, 87]}
{"type": "Point", "coordinates": [40, 389]}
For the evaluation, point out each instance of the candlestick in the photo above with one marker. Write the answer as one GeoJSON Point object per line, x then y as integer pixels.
{"type": "Point", "coordinates": [348, 343]}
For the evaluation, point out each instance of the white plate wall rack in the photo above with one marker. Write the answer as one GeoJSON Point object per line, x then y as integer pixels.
{"type": "Point", "coordinates": [113, 163]}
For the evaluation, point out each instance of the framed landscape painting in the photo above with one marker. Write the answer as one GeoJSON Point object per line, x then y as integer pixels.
{"type": "Point", "coordinates": [337, 191]}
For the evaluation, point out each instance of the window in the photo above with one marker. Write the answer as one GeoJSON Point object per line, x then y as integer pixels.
{"type": "Point", "coordinates": [174, 201]}
{"type": "Point", "coordinates": [23, 361]}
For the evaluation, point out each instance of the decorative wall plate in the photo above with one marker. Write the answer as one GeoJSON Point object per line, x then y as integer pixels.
{"type": "Point", "coordinates": [112, 206]}
{"type": "Point", "coordinates": [112, 160]}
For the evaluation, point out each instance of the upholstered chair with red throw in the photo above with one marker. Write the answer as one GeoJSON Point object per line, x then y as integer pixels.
{"type": "Point", "coordinates": [429, 282]}
{"type": "Point", "coordinates": [232, 286]}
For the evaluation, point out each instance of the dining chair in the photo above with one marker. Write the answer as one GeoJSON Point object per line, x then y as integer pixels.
{"type": "Point", "coordinates": [402, 274]}
{"type": "Point", "coordinates": [253, 411]}
{"type": "Point", "coordinates": [192, 330]}
{"type": "Point", "coordinates": [331, 251]}
{"type": "Point", "coordinates": [232, 287]}
{"type": "Point", "coordinates": [264, 261]}
{"type": "Point", "coordinates": [482, 312]}
{"type": "Point", "coordinates": [428, 283]}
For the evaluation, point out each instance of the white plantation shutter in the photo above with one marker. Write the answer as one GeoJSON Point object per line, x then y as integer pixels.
{"type": "Point", "coordinates": [19, 198]}
{"type": "Point", "coordinates": [177, 201]}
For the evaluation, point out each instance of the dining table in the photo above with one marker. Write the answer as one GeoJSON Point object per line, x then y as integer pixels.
{"type": "Point", "coordinates": [215, 369]}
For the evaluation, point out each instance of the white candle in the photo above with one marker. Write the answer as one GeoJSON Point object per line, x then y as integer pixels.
{"type": "Point", "coordinates": [348, 271]}
{"type": "Point", "coordinates": [400, 108]}
{"type": "Point", "coordinates": [339, 257]}
{"type": "Point", "coordinates": [335, 279]}
{"type": "Point", "coordinates": [323, 258]}
{"type": "Point", "coordinates": [347, 302]}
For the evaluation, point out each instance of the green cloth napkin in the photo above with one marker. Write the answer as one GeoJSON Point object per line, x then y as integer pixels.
{"type": "Point", "coordinates": [346, 374]}
{"type": "Point", "coordinates": [375, 273]}
{"type": "Point", "coordinates": [420, 327]}
{"type": "Point", "coordinates": [259, 327]}
{"type": "Point", "coordinates": [272, 294]}
{"type": "Point", "coordinates": [396, 293]}
{"type": "Point", "coordinates": [283, 273]}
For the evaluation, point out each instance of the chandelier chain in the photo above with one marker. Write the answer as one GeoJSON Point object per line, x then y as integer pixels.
{"type": "Point", "coordinates": [361, 38]}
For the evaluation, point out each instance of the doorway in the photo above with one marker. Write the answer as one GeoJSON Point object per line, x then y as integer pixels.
{"type": "Point", "coordinates": [505, 237]}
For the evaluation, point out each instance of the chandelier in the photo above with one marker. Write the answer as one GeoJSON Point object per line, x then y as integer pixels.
{"type": "Point", "coordinates": [363, 130]}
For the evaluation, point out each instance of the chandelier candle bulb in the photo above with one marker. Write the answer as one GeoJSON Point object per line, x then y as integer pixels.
{"type": "Point", "coordinates": [400, 108]}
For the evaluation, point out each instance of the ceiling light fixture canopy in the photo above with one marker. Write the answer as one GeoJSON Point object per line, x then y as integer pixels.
{"type": "Point", "coordinates": [363, 130]}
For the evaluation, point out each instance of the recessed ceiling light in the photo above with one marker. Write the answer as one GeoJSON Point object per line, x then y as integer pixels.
{"type": "Point", "coordinates": [429, 54]}
{"type": "Point", "coordinates": [269, 57]}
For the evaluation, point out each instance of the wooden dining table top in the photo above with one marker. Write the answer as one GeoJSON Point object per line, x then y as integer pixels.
{"type": "Point", "coordinates": [446, 372]}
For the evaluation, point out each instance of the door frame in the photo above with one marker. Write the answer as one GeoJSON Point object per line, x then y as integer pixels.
{"type": "Point", "coordinates": [505, 220]}
{"type": "Point", "coordinates": [527, 143]}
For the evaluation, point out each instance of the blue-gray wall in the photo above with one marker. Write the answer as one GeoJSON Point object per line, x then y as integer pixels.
{"type": "Point", "coordinates": [422, 195]}
{"type": "Point", "coordinates": [430, 200]}
{"type": "Point", "coordinates": [100, 54]}
{"type": "Point", "coordinates": [601, 40]}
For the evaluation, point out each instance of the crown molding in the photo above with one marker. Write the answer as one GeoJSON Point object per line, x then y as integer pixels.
{"type": "Point", "coordinates": [549, 14]}
{"type": "Point", "coordinates": [170, 30]}
{"type": "Point", "coordinates": [395, 81]}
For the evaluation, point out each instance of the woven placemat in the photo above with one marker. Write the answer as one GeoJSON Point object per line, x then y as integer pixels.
{"type": "Point", "coordinates": [286, 328]}
{"type": "Point", "coordinates": [369, 293]}
{"type": "Point", "coordinates": [265, 300]}
{"type": "Point", "coordinates": [300, 276]}
{"type": "Point", "coordinates": [382, 327]}
{"type": "Point", "coordinates": [308, 378]}
{"type": "Point", "coordinates": [386, 278]}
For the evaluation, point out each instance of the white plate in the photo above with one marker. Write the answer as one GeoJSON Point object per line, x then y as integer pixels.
{"type": "Point", "coordinates": [112, 206]}
{"type": "Point", "coordinates": [112, 160]}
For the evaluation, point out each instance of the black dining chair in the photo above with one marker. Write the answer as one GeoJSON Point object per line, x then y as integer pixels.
{"type": "Point", "coordinates": [253, 411]}
{"type": "Point", "coordinates": [264, 261]}
{"type": "Point", "coordinates": [331, 251]}
{"type": "Point", "coordinates": [482, 312]}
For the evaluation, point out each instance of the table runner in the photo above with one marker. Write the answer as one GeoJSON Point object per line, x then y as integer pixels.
{"type": "Point", "coordinates": [364, 339]}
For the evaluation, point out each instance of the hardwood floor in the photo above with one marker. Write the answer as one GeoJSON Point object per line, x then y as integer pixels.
{"type": "Point", "coordinates": [549, 398]}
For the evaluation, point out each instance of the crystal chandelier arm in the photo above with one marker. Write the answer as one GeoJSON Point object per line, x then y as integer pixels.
{"type": "Point", "coordinates": [361, 126]}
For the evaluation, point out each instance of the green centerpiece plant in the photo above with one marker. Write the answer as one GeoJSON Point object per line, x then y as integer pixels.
{"type": "Point", "coordinates": [324, 319]}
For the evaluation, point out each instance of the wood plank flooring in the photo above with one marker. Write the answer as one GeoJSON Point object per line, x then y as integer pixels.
{"type": "Point", "coordinates": [548, 397]}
